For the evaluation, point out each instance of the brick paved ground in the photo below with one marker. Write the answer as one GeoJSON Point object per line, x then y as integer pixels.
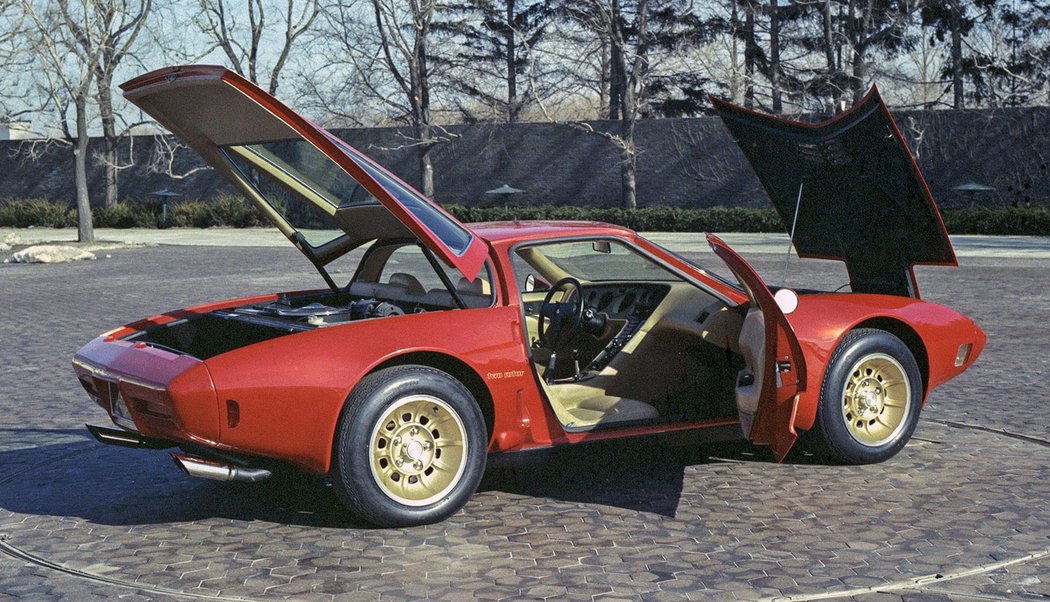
{"type": "Point", "coordinates": [621, 521]}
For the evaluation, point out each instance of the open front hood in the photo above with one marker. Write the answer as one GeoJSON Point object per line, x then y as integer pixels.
{"type": "Point", "coordinates": [859, 193]}
{"type": "Point", "coordinates": [324, 195]}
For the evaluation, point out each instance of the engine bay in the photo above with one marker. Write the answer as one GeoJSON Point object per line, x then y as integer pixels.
{"type": "Point", "coordinates": [316, 313]}
{"type": "Point", "coordinates": [216, 332]}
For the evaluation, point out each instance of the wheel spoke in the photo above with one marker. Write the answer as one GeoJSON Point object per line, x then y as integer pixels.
{"type": "Point", "coordinates": [867, 390]}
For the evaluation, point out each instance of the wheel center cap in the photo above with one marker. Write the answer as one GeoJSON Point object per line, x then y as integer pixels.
{"type": "Point", "coordinates": [414, 450]}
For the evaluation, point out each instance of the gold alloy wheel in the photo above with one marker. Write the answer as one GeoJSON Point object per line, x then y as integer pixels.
{"type": "Point", "coordinates": [419, 450]}
{"type": "Point", "coordinates": [876, 399]}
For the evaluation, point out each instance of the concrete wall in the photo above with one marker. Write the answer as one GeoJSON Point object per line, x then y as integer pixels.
{"type": "Point", "coordinates": [684, 162]}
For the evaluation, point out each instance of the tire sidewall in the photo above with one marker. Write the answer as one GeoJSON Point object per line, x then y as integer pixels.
{"type": "Point", "coordinates": [352, 473]}
{"type": "Point", "coordinates": [837, 438]}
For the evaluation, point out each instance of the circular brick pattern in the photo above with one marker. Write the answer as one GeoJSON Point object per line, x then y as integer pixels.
{"type": "Point", "coordinates": [630, 520]}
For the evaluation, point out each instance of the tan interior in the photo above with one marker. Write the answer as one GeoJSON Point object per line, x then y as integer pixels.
{"type": "Point", "coordinates": [652, 368]}
{"type": "Point", "coordinates": [752, 347]}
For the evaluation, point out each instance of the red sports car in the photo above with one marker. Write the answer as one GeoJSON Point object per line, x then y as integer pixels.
{"type": "Point", "coordinates": [455, 343]}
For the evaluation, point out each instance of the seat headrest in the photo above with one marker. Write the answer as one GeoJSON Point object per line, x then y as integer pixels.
{"type": "Point", "coordinates": [408, 281]}
{"type": "Point", "coordinates": [474, 287]}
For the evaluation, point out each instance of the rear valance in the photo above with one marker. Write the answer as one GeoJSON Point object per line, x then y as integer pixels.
{"type": "Point", "coordinates": [863, 199]}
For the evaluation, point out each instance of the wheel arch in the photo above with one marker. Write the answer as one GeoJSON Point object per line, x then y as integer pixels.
{"type": "Point", "coordinates": [457, 369]}
{"type": "Point", "coordinates": [911, 339]}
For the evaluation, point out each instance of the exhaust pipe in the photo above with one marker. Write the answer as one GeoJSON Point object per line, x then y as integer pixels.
{"type": "Point", "coordinates": [124, 438]}
{"type": "Point", "coordinates": [218, 471]}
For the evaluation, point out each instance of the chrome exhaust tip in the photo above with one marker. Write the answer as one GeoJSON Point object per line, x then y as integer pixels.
{"type": "Point", "coordinates": [218, 471]}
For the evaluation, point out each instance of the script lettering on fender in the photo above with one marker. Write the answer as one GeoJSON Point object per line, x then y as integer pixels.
{"type": "Point", "coordinates": [507, 374]}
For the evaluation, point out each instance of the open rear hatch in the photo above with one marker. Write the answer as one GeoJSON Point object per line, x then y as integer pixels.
{"type": "Point", "coordinates": [850, 190]}
{"type": "Point", "coordinates": [324, 195]}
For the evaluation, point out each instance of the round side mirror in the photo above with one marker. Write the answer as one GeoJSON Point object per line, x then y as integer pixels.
{"type": "Point", "coordinates": [787, 300]}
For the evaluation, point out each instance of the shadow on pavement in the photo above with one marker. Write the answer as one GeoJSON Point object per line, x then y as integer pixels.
{"type": "Point", "coordinates": [66, 473]}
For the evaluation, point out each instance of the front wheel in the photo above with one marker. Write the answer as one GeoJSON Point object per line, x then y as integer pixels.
{"type": "Point", "coordinates": [870, 398]}
{"type": "Point", "coordinates": [410, 447]}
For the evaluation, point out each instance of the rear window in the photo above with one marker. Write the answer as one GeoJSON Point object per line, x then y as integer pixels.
{"type": "Point", "coordinates": [447, 230]}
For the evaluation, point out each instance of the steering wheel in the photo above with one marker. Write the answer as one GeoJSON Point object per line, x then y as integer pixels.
{"type": "Point", "coordinates": [562, 316]}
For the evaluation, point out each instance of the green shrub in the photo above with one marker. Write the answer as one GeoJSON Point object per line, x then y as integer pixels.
{"type": "Point", "coordinates": [22, 213]}
{"type": "Point", "coordinates": [1031, 221]}
{"type": "Point", "coordinates": [236, 212]}
{"type": "Point", "coordinates": [127, 215]}
{"type": "Point", "coordinates": [189, 214]}
{"type": "Point", "coordinates": [644, 219]}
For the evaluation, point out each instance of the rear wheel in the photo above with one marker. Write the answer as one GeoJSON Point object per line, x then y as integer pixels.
{"type": "Point", "coordinates": [410, 448]}
{"type": "Point", "coordinates": [870, 399]}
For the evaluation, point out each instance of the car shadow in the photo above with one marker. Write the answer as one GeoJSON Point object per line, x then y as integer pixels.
{"type": "Point", "coordinates": [78, 477]}
{"type": "Point", "coordinates": [67, 473]}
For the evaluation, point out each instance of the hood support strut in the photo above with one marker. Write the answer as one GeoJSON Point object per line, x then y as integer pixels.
{"type": "Point", "coordinates": [300, 243]}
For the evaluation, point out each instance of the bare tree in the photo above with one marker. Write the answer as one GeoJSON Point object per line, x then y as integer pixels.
{"type": "Point", "coordinates": [384, 48]}
{"type": "Point", "coordinates": [118, 25]}
{"type": "Point", "coordinates": [634, 30]}
{"type": "Point", "coordinates": [65, 37]}
{"type": "Point", "coordinates": [244, 43]}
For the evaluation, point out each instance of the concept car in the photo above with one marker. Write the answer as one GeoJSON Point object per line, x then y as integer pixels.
{"type": "Point", "coordinates": [456, 343]}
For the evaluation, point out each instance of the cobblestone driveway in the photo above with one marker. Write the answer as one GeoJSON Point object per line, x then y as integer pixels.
{"type": "Point", "coordinates": [620, 521]}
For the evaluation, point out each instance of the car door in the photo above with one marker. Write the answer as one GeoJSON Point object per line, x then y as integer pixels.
{"type": "Point", "coordinates": [232, 123]}
{"type": "Point", "coordinates": [783, 371]}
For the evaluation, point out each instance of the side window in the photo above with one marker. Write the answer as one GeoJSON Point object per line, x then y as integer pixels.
{"type": "Point", "coordinates": [408, 266]}
{"type": "Point", "coordinates": [526, 277]}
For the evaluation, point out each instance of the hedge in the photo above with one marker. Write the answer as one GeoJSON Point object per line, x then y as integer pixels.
{"type": "Point", "coordinates": [233, 211]}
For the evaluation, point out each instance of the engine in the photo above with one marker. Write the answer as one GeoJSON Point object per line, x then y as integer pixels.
{"type": "Point", "coordinates": [321, 314]}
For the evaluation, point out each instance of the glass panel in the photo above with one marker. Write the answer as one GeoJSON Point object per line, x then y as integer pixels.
{"type": "Point", "coordinates": [299, 182]}
{"type": "Point", "coordinates": [409, 260]}
{"type": "Point", "coordinates": [447, 230]}
{"type": "Point", "coordinates": [587, 261]}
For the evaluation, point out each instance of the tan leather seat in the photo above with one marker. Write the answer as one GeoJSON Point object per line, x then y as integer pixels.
{"type": "Point", "coordinates": [753, 348]}
{"type": "Point", "coordinates": [603, 409]}
{"type": "Point", "coordinates": [410, 282]}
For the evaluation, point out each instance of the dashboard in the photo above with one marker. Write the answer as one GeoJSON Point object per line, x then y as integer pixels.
{"type": "Point", "coordinates": [632, 303]}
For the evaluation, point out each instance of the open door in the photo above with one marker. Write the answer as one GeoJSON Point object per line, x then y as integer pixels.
{"type": "Point", "coordinates": [767, 392]}
{"type": "Point", "coordinates": [324, 195]}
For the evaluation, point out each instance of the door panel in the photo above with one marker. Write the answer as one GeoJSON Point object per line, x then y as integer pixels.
{"type": "Point", "coordinates": [783, 372]}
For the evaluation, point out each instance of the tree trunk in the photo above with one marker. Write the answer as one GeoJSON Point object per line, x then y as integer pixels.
{"type": "Point", "coordinates": [957, 71]}
{"type": "Point", "coordinates": [829, 58]}
{"type": "Point", "coordinates": [774, 55]}
{"type": "Point", "coordinates": [616, 79]}
{"type": "Point", "coordinates": [85, 228]}
{"type": "Point", "coordinates": [628, 179]}
{"type": "Point", "coordinates": [734, 71]}
{"type": "Point", "coordinates": [750, 54]}
{"type": "Point", "coordinates": [426, 162]}
{"type": "Point", "coordinates": [513, 106]}
{"type": "Point", "coordinates": [860, 73]}
{"type": "Point", "coordinates": [628, 160]}
{"type": "Point", "coordinates": [617, 66]}
{"type": "Point", "coordinates": [109, 137]}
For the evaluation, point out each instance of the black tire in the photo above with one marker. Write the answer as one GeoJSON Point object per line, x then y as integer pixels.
{"type": "Point", "coordinates": [422, 488]}
{"type": "Point", "coordinates": [859, 420]}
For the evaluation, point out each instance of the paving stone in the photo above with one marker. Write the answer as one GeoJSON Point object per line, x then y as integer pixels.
{"type": "Point", "coordinates": [628, 520]}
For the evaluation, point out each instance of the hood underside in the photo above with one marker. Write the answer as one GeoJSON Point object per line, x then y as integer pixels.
{"type": "Point", "coordinates": [859, 195]}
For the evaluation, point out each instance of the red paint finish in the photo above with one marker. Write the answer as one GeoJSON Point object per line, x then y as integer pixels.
{"type": "Point", "coordinates": [782, 378]}
{"type": "Point", "coordinates": [289, 391]}
{"type": "Point", "coordinates": [824, 319]}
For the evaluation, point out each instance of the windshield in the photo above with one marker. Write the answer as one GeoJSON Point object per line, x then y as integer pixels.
{"type": "Point", "coordinates": [592, 261]}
